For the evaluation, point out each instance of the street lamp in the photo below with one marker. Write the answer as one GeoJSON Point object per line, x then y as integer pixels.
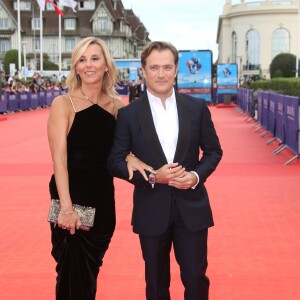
{"type": "Point", "coordinates": [240, 61]}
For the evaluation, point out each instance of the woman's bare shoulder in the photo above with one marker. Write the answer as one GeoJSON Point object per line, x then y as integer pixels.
{"type": "Point", "coordinates": [119, 102]}
{"type": "Point", "coordinates": [61, 103]}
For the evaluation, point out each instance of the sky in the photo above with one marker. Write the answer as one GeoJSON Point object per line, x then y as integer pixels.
{"type": "Point", "coordinates": [187, 24]}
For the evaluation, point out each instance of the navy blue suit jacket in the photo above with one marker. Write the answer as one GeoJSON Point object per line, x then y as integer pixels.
{"type": "Point", "coordinates": [198, 149]}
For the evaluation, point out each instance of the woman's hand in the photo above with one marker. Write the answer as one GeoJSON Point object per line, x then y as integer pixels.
{"type": "Point", "coordinates": [69, 220]}
{"type": "Point", "coordinates": [135, 164]}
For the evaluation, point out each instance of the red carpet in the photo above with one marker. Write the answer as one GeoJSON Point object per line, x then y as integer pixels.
{"type": "Point", "coordinates": [222, 105]}
{"type": "Point", "coordinates": [3, 118]}
{"type": "Point", "coordinates": [253, 248]}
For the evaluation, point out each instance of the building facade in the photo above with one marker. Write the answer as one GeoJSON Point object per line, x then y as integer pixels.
{"type": "Point", "coordinates": [120, 28]}
{"type": "Point", "coordinates": [252, 33]}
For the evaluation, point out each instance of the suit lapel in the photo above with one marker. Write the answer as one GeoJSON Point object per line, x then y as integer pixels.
{"type": "Point", "coordinates": [184, 128]}
{"type": "Point", "coordinates": [149, 132]}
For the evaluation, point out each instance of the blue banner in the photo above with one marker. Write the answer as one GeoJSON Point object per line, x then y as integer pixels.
{"type": "Point", "coordinates": [128, 63]}
{"type": "Point", "coordinates": [292, 122]}
{"type": "Point", "coordinates": [265, 109]}
{"type": "Point", "coordinates": [33, 97]}
{"type": "Point", "coordinates": [279, 132]}
{"type": "Point", "coordinates": [259, 107]}
{"type": "Point", "coordinates": [194, 75]}
{"type": "Point", "coordinates": [24, 103]}
{"type": "Point", "coordinates": [13, 102]}
{"type": "Point", "coordinates": [227, 78]}
{"type": "Point", "coordinates": [272, 113]}
{"type": "Point", "coordinates": [3, 102]}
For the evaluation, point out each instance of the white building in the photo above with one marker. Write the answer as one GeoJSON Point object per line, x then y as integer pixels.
{"type": "Point", "coordinates": [120, 28]}
{"type": "Point", "coordinates": [252, 33]}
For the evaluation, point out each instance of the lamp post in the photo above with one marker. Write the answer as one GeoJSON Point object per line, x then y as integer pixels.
{"type": "Point", "coordinates": [240, 61]}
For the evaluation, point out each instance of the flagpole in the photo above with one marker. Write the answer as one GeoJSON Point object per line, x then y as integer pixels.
{"type": "Point", "coordinates": [298, 40]}
{"type": "Point", "coordinates": [59, 47]}
{"type": "Point", "coordinates": [41, 42]}
{"type": "Point", "coordinates": [19, 40]}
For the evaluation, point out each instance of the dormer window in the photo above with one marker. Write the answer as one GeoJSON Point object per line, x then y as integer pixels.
{"type": "Point", "coordinates": [86, 5]}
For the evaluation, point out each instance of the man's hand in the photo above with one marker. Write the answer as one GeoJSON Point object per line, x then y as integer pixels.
{"type": "Point", "coordinates": [184, 182]}
{"type": "Point", "coordinates": [168, 172]}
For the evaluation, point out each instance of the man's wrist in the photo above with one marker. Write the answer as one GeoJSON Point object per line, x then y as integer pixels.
{"type": "Point", "coordinates": [195, 185]}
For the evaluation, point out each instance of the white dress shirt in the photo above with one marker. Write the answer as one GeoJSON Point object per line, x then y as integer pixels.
{"type": "Point", "coordinates": [166, 123]}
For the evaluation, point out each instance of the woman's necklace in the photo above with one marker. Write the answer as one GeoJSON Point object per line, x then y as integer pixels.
{"type": "Point", "coordinates": [89, 99]}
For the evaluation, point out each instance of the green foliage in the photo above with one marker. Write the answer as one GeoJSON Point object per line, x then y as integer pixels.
{"type": "Point", "coordinates": [11, 57]}
{"type": "Point", "coordinates": [283, 65]}
{"type": "Point", "coordinates": [49, 66]}
{"type": "Point", "coordinates": [286, 86]}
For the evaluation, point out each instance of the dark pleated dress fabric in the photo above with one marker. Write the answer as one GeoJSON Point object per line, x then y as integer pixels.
{"type": "Point", "coordinates": [79, 256]}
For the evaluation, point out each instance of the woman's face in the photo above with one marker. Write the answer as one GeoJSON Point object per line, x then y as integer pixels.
{"type": "Point", "coordinates": [91, 65]}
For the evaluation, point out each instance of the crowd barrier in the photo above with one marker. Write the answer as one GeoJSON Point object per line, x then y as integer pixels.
{"type": "Point", "coordinates": [10, 102]}
{"type": "Point", "coordinates": [278, 115]}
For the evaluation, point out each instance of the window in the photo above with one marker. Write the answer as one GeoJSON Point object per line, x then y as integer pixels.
{"type": "Point", "coordinates": [69, 64]}
{"type": "Point", "coordinates": [102, 24]}
{"type": "Point", "coordinates": [252, 50]}
{"type": "Point", "coordinates": [4, 22]}
{"type": "Point", "coordinates": [35, 24]}
{"type": "Point", "coordinates": [49, 6]}
{"type": "Point", "coordinates": [36, 45]}
{"type": "Point", "coordinates": [70, 45]}
{"type": "Point", "coordinates": [86, 5]}
{"type": "Point", "coordinates": [234, 47]}
{"type": "Point", "coordinates": [280, 42]}
{"type": "Point", "coordinates": [24, 6]}
{"type": "Point", "coordinates": [70, 24]}
{"type": "Point", "coordinates": [4, 45]}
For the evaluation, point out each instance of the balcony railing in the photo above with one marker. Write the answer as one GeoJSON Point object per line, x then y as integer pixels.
{"type": "Point", "coordinates": [251, 67]}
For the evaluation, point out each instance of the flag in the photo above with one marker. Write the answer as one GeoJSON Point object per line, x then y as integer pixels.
{"type": "Point", "coordinates": [41, 4]}
{"type": "Point", "coordinates": [68, 3]}
{"type": "Point", "coordinates": [57, 10]}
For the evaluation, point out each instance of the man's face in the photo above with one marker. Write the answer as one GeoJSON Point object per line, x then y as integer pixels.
{"type": "Point", "coordinates": [160, 72]}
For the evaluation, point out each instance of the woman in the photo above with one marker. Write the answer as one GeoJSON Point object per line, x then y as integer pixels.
{"type": "Point", "coordinates": [80, 131]}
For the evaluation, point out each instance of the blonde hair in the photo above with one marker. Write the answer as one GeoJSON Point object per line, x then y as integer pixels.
{"type": "Point", "coordinates": [110, 78]}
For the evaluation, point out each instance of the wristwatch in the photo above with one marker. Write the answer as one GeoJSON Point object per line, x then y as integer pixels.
{"type": "Point", "coordinates": [152, 179]}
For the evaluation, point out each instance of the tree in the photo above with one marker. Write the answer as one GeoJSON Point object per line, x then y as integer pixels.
{"type": "Point", "coordinates": [283, 65]}
{"type": "Point", "coordinates": [48, 65]}
{"type": "Point", "coordinates": [11, 57]}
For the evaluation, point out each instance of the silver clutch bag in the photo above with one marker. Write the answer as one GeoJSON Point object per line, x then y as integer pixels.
{"type": "Point", "coordinates": [86, 214]}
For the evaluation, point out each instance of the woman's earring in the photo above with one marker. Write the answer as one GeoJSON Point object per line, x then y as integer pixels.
{"type": "Point", "coordinates": [107, 73]}
{"type": "Point", "coordinates": [78, 77]}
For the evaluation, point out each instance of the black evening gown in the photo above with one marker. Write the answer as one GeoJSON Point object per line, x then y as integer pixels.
{"type": "Point", "coordinates": [79, 256]}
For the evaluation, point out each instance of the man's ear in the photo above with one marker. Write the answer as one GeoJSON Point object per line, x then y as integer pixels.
{"type": "Point", "coordinates": [144, 73]}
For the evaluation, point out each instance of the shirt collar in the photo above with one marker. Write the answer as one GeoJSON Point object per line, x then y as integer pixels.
{"type": "Point", "coordinates": [153, 98]}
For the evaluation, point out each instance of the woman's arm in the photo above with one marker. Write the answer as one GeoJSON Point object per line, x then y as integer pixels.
{"type": "Point", "coordinates": [58, 127]}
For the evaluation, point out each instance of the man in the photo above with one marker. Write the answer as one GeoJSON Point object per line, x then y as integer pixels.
{"type": "Point", "coordinates": [143, 86]}
{"type": "Point", "coordinates": [132, 91]}
{"type": "Point", "coordinates": [166, 130]}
